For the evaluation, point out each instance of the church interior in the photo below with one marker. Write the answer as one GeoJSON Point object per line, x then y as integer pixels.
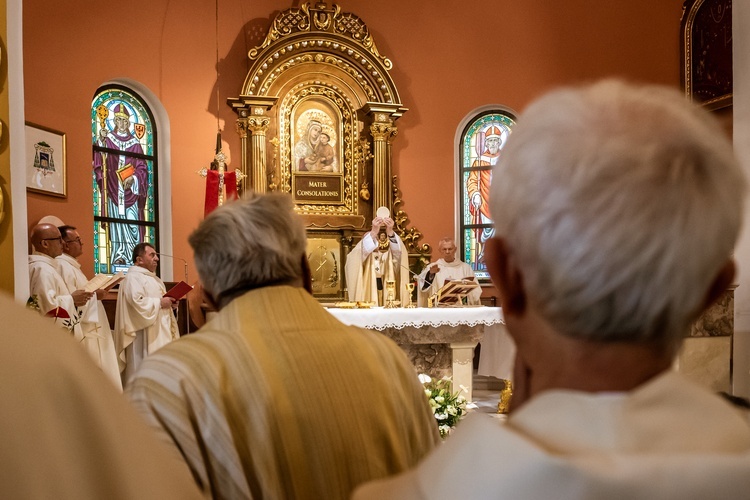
{"type": "Point", "coordinates": [189, 60]}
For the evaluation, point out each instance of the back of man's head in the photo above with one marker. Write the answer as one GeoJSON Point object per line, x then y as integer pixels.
{"type": "Point", "coordinates": [247, 244]}
{"type": "Point", "coordinates": [620, 205]}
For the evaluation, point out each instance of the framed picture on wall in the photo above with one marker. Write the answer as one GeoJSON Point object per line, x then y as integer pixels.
{"type": "Point", "coordinates": [45, 161]}
{"type": "Point", "coordinates": [707, 71]}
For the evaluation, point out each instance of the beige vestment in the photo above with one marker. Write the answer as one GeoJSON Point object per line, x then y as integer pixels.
{"type": "Point", "coordinates": [365, 263]}
{"type": "Point", "coordinates": [667, 439]}
{"type": "Point", "coordinates": [65, 431]}
{"type": "Point", "coordinates": [275, 398]}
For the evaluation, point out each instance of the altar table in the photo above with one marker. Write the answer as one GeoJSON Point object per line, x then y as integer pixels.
{"type": "Point", "coordinates": [440, 341]}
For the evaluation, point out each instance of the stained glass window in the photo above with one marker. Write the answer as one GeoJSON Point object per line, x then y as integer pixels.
{"type": "Point", "coordinates": [124, 177]}
{"type": "Point", "coordinates": [481, 143]}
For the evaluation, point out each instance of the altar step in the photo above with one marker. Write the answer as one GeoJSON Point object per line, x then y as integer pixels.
{"type": "Point", "coordinates": [486, 383]}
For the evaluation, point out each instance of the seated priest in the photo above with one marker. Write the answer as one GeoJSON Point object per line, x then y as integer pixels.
{"type": "Point", "coordinates": [379, 257]}
{"type": "Point", "coordinates": [615, 217]}
{"type": "Point", "coordinates": [446, 268]}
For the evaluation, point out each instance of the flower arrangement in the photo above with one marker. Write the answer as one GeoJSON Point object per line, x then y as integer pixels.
{"type": "Point", "coordinates": [447, 407]}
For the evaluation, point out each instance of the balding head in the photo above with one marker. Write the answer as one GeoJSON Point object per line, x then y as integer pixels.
{"type": "Point", "coordinates": [46, 239]}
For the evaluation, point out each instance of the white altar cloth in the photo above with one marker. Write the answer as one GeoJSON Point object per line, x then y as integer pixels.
{"type": "Point", "coordinates": [379, 318]}
{"type": "Point", "coordinates": [460, 327]}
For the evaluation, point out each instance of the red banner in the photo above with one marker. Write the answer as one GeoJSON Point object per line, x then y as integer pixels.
{"type": "Point", "coordinates": [213, 188]}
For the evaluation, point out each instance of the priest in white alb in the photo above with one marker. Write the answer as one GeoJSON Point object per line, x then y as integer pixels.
{"type": "Point", "coordinates": [144, 321]}
{"type": "Point", "coordinates": [97, 336]}
{"type": "Point", "coordinates": [446, 268]}
{"type": "Point", "coordinates": [48, 289]}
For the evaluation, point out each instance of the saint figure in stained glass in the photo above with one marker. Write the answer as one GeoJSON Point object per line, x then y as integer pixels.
{"type": "Point", "coordinates": [482, 142]}
{"type": "Point", "coordinates": [123, 178]}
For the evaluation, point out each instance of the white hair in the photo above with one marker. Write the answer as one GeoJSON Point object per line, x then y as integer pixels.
{"type": "Point", "coordinates": [620, 204]}
{"type": "Point", "coordinates": [248, 244]}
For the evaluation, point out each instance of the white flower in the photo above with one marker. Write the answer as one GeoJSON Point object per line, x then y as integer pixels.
{"type": "Point", "coordinates": [450, 410]}
{"type": "Point", "coordinates": [441, 416]}
{"type": "Point", "coordinates": [428, 392]}
{"type": "Point", "coordinates": [440, 399]}
{"type": "Point", "coordinates": [424, 379]}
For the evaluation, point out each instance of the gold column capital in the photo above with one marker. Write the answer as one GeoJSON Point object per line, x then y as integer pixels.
{"type": "Point", "coordinates": [241, 127]}
{"type": "Point", "coordinates": [258, 125]}
{"type": "Point", "coordinates": [383, 131]}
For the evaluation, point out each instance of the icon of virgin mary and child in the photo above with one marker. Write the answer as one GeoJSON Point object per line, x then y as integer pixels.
{"type": "Point", "coordinates": [314, 150]}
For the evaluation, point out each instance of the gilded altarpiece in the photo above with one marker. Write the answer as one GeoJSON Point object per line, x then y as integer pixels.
{"type": "Point", "coordinates": [316, 119]}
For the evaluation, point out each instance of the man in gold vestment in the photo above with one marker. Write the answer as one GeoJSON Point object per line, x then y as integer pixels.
{"type": "Point", "coordinates": [274, 397]}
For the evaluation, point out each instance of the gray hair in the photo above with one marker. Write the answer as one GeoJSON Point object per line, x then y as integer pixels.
{"type": "Point", "coordinates": [620, 205]}
{"type": "Point", "coordinates": [248, 244]}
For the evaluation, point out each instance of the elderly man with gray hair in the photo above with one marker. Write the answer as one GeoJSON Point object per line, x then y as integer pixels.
{"type": "Point", "coordinates": [275, 398]}
{"type": "Point", "coordinates": [616, 211]}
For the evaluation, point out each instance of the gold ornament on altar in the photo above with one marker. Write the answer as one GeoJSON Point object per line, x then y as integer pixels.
{"type": "Point", "coordinates": [390, 301]}
{"type": "Point", "coordinates": [410, 288]}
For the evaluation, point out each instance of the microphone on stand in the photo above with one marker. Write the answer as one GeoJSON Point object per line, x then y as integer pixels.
{"type": "Point", "coordinates": [178, 258]}
{"type": "Point", "coordinates": [187, 322]}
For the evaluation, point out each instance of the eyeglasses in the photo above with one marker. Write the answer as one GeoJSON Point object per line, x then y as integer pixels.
{"type": "Point", "coordinates": [72, 241]}
{"type": "Point", "coordinates": [59, 238]}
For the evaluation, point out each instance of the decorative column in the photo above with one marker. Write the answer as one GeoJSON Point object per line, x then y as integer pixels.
{"type": "Point", "coordinates": [383, 115]}
{"type": "Point", "coordinates": [258, 125]}
{"type": "Point", "coordinates": [253, 119]}
{"type": "Point", "coordinates": [241, 128]}
{"type": "Point", "coordinates": [382, 132]}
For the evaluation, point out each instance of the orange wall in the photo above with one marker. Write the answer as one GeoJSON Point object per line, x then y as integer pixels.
{"type": "Point", "coordinates": [446, 63]}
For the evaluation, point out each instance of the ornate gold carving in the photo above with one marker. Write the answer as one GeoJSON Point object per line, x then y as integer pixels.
{"type": "Point", "coordinates": [506, 394]}
{"type": "Point", "coordinates": [258, 124]}
{"type": "Point", "coordinates": [410, 236]}
{"type": "Point", "coordinates": [358, 75]}
{"type": "Point", "coordinates": [337, 39]}
{"type": "Point", "coordinates": [321, 18]}
{"type": "Point", "coordinates": [383, 131]}
{"type": "Point", "coordinates": [241, 127]}
{"type": "Point", "coordinates": [364, 191]}
{"type": "Point", "coordinates": [273, 178]}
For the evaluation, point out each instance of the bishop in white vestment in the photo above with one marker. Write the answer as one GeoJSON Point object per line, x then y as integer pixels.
{"type": "Point", "coordinates": [376, 259]}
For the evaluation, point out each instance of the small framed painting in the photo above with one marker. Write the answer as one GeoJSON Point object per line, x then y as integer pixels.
{"type": "Point", "coordinates": [45, 161]}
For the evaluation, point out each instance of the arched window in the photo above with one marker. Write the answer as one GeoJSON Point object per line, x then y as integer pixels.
{"type": "Point", "coordinates": [481, 141]}
{"type": "Point", "coordinates": [124, 177]}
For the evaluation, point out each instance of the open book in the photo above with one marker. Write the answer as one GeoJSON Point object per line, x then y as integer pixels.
{"type": "Point", "coordinates": [179, 290]}
{"type": "Point", "coordinates": [452, 291]}
{"type": "Point", "coordinates": [103, 282]}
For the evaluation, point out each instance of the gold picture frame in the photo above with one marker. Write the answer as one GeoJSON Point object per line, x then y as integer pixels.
{"type": "Point", "coordinates": [46, 169]}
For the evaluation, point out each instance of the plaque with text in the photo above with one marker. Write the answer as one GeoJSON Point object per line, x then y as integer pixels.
{"type": "Point", "coordinates": [317, 189]}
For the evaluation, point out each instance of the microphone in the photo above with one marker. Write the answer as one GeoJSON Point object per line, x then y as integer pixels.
{"type": "Point", "coordinates": [420, 279]}
{"type": "Point", "coordinates": [178, 258]}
